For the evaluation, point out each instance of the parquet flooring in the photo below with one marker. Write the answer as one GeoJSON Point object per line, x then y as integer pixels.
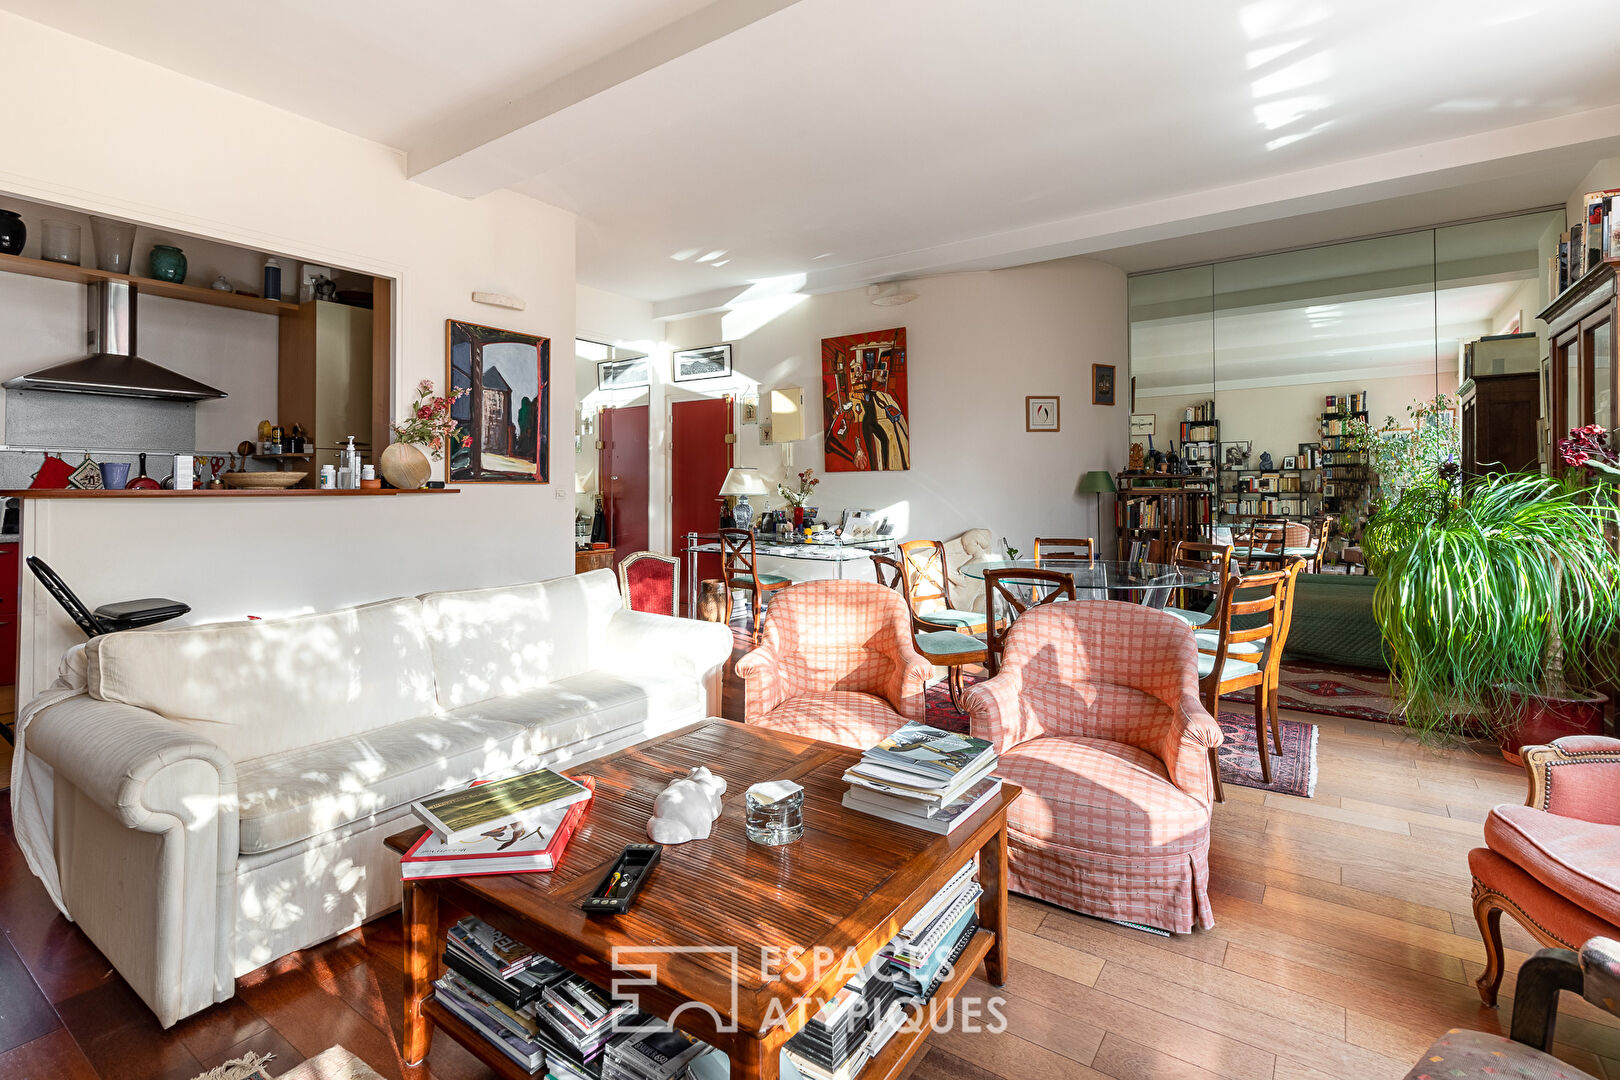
{"type": "Point", "coordinates": [1344, 946]}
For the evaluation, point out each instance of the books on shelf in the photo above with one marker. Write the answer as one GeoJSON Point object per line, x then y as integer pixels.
{"type": "Point", "coordinates": [512, 848]}
{"type": "Point", "coordinates": [521, 800]}
{"type": "Point", "coordinates": [490, 948]}
{"type": "Point", "coordinates": [654, 1054]}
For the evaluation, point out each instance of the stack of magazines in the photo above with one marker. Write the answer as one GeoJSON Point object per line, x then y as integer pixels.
{"type": "Point", "coordinates": [924, 777]}
{"type": "Point", "coordinates": [654, 1051]}
{"type": "Point", "coordinates": [850, 1029]}
{"type": "Point", "coordinates": [920, 957]}
{"type": "Point", "coordinates": [581, 1014]}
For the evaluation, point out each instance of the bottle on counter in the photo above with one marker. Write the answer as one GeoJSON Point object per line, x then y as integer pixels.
{"type": "Point", "coordinates": [278, 443]}
{"type": "Point", "coordinates": [349, 466]}
{"type": "Point", "coordinates": [272, 280]}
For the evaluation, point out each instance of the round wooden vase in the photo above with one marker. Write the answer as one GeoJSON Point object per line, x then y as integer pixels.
{"type": "Point", "coordinates": [712, 601]}
{"type": "Point", "coordinates": [404, 466]}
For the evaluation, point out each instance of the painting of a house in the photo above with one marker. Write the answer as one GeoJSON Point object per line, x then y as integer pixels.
{"type": "Point", "coordinates": [502, 423]}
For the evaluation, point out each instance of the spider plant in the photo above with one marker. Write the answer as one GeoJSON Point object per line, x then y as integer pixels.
{"type": "Point", "coordinates": [1505, 592]}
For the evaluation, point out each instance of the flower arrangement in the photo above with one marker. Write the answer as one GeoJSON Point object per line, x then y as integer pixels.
{"type": "Point", "coordinates": [430, 424]}
{"type": "Point", "coordinates": [1591, 448]}
{"type": "Point", "coordinates": [807, 484]}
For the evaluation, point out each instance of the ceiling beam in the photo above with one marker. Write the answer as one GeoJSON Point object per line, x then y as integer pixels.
{"type": "Point", "coordinates": [460, 155]}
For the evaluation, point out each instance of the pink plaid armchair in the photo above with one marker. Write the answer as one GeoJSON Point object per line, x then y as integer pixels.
{"type": "Point", "coordinates": [1095, 712]}
{"type": "Point", "coordinates": [836, 663]}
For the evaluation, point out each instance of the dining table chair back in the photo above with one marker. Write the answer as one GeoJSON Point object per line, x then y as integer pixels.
{"type": "Point", "coordinates": [650, 581]}
{"type": "Point", "coordinates": [1051, 547]}
{"type": "Point", "coordinates": [739, 561]}
{"type": "Point", "coordinates": [1232, 657]}
{"type": "Point", "coordinates": [1020, 590]}
{"type": "Point", "coordinates": [888, 573]}
{"type": "Point", "coordinates": [928, 589]}
{"type": "Point", "coordinates": [1200, 555]}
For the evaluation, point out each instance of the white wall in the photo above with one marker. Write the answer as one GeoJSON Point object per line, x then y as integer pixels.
{"type": "Point", "coordinates": [977, 343]}
{"type": "Point", "coordinates": [103, 132]}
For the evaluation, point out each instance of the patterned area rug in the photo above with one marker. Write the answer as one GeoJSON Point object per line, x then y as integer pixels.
{"type": "Point", "coordinates": [1332, 691]}
{"type": "Point", "coordinates": [334, 1063]}
{"type": "Point", "coordinates": [1293, 772]}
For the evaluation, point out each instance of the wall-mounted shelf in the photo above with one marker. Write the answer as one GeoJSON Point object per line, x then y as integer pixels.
{"type": "Point", "coordinates": [197, 294]}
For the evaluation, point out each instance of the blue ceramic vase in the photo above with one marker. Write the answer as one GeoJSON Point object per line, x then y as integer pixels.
{"type": "Point", "coordinates": [167, 263]}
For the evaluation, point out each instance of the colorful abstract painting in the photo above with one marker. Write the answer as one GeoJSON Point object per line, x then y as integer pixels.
{"type": "Point", "coordinates": [863, 389]}
{"type": "Point", "coordinates": [503, 426]}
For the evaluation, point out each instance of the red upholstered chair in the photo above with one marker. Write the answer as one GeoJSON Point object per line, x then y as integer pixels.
{"type": "Point", "coordinates": [836, 663]}
{"type": "Point", "coordinates": [1553, 863]}
{"type": "Point", "coordinates": [1095, 712]}
{"type": "Point", "coordinates": [651, 582]}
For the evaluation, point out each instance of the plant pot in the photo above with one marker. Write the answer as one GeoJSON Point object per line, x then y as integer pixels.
{"type": "Point", "coordinates": [1540, 719]}
{"type": "Point", "coordinates": [404, 466]}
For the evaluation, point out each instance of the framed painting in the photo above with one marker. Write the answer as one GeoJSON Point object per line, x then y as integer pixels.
{"type": "Point", "coordinates": [1040, 413]}
{"type": "Point", "coordinates": [864, 402]}
{"type": "Point", "coordinates": [626, 374]}
{"type": "Point", "coordinates": [1102, 384]}
{"type": "Point", "coordinates": [503, 421]}
{"type": "Point", "coordinates": [709, 362]}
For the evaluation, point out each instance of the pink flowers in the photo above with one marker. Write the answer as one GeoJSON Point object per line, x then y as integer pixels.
{"type": "Point", "coordinates": [1591, 448]}
{"type": "Point", "coordinates": [430, 423]}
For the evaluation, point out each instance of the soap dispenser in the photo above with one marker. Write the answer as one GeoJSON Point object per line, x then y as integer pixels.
{"type": "Point", "coordinates": [349, 466]}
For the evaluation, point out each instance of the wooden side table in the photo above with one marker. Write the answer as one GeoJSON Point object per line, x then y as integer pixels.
{"type": "Point", "coordinates": [593, 559]}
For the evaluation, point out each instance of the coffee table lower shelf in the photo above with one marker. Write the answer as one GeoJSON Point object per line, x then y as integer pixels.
{"type": "Point", "coordinates": [889, 1063]}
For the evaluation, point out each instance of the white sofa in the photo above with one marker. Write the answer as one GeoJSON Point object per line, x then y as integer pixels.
{"type": "Point", "coordinates": [216, 796]}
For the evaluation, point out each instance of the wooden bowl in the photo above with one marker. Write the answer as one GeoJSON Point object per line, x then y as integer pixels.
{"type": "Point", "coordinates": [262, 481]}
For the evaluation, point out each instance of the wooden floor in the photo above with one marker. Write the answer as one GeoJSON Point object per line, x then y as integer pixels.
{"type": "Point", "coordinates": [1344, 947]}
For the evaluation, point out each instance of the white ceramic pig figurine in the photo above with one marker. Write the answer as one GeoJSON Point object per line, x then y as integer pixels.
{"type": "Point", "coordinates": [686, 809]}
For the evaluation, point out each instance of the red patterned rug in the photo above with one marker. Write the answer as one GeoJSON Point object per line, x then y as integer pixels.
{"type": "Point", "coordinates": [1326, 690]}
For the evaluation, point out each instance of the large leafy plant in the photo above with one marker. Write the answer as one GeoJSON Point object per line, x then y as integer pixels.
{"type": "Point", "coordinates": [1513, 584]}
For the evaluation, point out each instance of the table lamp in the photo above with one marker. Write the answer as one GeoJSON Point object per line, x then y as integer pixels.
{"type": "Point", "coordinates": [742, 482]}
{"type": "Point", "coordinates": [1096, 482]}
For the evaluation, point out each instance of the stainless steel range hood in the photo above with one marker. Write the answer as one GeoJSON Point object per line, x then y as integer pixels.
{"type": "Point", "coordinates": [112, 368]}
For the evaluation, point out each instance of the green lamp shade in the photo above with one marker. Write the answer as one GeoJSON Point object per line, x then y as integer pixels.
{"type": "Point", "coordinates": [1097, 481]}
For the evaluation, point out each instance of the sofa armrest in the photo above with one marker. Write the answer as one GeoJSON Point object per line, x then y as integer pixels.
{"type": "Point", "coordinates": [1577, 776]}
{"type": "Point", "coordinates": [641, 641]}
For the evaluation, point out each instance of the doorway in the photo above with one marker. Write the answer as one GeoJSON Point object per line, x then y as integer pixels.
{"type": "Point", "coordinates": [623, 478]}
{"type": "Point", "coordinates": [699, 458]}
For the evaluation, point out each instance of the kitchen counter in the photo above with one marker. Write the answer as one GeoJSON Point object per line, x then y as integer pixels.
{"type": "Point", "coordinates": [216, 493]}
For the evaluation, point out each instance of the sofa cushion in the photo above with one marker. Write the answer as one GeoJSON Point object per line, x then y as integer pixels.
{"type": "Point", "coordinates": [489, 643]}
{"type": "Point", "coordinates": [1576, 859]}
{"type": "Point", "coordinates": [262, 687]}
{"type": "Point", "coordinates": [572, 712]}
{"type": "Point", "coordinates": [1101, 797]}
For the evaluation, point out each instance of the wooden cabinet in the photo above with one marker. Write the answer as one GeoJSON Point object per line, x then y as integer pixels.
{"type": "Point", "coordinates": [1499, 414]}
{"type": "Point", "coordinates": [593, 559]}
{"type": "Point", "coordinates": [334, 376]}
{"type": "Point", "coordinates": [1578, 377]}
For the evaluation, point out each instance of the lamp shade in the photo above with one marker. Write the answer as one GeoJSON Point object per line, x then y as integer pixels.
{"type": "Point", "coordinates": [744, 480]}
{"type": "Point", "coordinates": [1097, 481]}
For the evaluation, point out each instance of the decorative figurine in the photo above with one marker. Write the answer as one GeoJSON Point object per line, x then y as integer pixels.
{"type": "Point", "coordinates": [686, 809]}
{"type": "Point", "coordinates": [1265, 461]}
{"type": "Point", "coordinates": [1138, 457]}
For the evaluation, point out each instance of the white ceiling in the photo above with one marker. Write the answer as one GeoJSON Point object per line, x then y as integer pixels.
{"type": "Point", "coordinates": [835, 142]}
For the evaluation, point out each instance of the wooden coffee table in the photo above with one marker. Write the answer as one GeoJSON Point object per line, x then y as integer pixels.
{"type": "Point", "coordinates": [734, 928]}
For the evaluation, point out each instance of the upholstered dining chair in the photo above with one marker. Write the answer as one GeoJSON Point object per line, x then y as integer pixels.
{"type": "Point", "coordinates": [836, 663]}
{"type": "Point", "coordinates": [740, 568]}
{"type": "Point", "coordinates": [1197, 555]}
{"type": "Point", "coordinates": [650, 581]}
{"type": "Point", "coordinates": [1019, 590]}
{"type": "Point", "coordinates": [1553, 863]}
{"type": "Point", "coordinates": [1233, 658]}
{"type": "Point", "coordinates": [928, 590]}
{"type": "Point", "coordinates": [1052, 547]}
{"type": "Point", "coordinates": [1095, 713]}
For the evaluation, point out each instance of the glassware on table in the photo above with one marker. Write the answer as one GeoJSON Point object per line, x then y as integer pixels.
{"type": "Point", "coordinates": [59, 241]}
{"type": "Point", "coordinates": [115, 244]}
{"type": "Point", "coordinates": [775, 812]}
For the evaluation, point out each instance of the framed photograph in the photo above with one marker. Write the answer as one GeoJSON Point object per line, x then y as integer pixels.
{"type": "Point", "coordinates": [1102, 384]}
{"type": "Point", "coordinates": [1290, 462]}
{"type": "Point", "coordinates": [1142, 424]}
{"type": "Point", "coordinates": [1040, 413]}
{"type": "Point", "coordinates": [623, 374]}
{"type": "Point", "coordinates": [709, 362]}
{"type": "Point", "coordinates": [503, 420]}
{"type": "Point", "coordinates": [749, 408]}
{"type": "Point", "coordinates": [1235, 455]}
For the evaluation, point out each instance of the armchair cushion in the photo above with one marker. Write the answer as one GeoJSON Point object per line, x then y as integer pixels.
{"type": "Point", "coordinates": [1554, 917]}
{"type": "Point", "coordinates": [1577, 859]}
{"type": "Point", "coordinates": [843, 717]}
{"type": "Point", "coordinates": [1465, 1055]}
{"type": "Point", "coordinates": [1103, 797]}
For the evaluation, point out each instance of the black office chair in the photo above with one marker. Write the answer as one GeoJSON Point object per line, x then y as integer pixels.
{"type": "Point", "coordinates": [108, 618]}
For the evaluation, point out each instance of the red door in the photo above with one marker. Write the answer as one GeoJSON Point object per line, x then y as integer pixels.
{"type": "Point", "coordinates": [699, 458]}
{"type": "Point", "coordinates": [623, 472]}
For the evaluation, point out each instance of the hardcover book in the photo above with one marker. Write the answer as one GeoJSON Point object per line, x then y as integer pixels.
{"type": "Point", "coordinates": [520, 800]}
{"type": "Point", "coordinates": [511, 848]}
{"type": "Point", "coordinates": [929, 752]}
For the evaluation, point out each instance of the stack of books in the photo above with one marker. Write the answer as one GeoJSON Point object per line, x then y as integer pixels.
{"type": "Point", "coordinates": [519, 825]}
{"type": "Point", "coordinates": [924, 777]}
{"type": "Point", "coordinates": [548, 1019]}
{"type": "Point", "coordinates": [918, 959]}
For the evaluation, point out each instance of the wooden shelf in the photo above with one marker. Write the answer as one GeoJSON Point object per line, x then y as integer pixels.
{"type": "Point", "coordinates": [904, 1044]}
{"type": "Point", "coordinates": [197, 294]}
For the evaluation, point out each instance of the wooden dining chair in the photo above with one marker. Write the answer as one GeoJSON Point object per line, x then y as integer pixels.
{"type": "Point", "coordinates": [1051, 547]}
{"type": "Point", "coordinates": [1234, 659]}
{"type": "Point", "coordinates": [1198, 555]}
{"type": "Point", "coordinates": [740, 567]}
{"type": "Point", "coordinates": [888, 573]}
{"type": "Point", "coordinates": [1020, 590]}
{"type": "Point", "coordinates": [928, 590]}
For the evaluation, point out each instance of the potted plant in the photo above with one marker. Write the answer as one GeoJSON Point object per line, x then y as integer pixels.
{"type": "Point", "coordinates": [797, 497]}
{"type": "Point", "coordinates": [1498, 601]}
{"type": "Point", "coordinates": [430, 425]}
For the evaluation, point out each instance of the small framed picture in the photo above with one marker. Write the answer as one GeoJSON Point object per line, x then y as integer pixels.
{"type": "Point", "coordinates": [750, 408]}
{"type": "Point", "coordinates": [1142, 424]}
{"type": "Point", "coordinates": [1102, 384]}
{"type": "Point", "coordinates": [623, 374]}
{"type": "Point", "coordinates": [709, 362]}
{"type": "Point", "coordinates": [1040, 413]}
{"type": "Point", "coordinates": [1290, 463]}
{"type": "Point", "coordinates": [1235, 455]}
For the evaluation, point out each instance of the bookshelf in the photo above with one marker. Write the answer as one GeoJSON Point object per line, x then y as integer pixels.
{"type": "Point", "coordinates": [1345, 473]}
{"type": "Point", "coordinates": [1153, 508]}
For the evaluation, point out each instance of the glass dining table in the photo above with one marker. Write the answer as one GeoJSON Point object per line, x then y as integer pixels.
{"type": "Point", "coordinates": [1145, 583]}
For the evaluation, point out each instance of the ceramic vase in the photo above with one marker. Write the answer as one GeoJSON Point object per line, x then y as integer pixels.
{"type": "Point", "coordinates": [404, 466]}
{"type": "Point", "coordinates": [167, 263]}
{"type": "Point", "coordinates": [13, 233]}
